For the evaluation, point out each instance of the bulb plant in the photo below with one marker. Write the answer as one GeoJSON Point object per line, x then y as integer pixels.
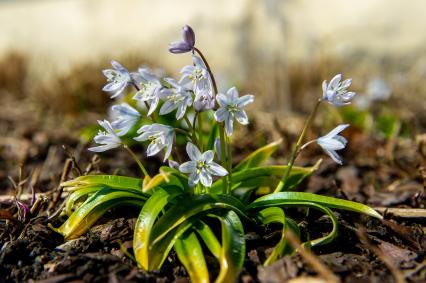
{"type": "Point", "coordinates": [200, 205]}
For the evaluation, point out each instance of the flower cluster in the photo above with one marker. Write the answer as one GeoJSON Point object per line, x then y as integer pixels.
{"type": "Point", "coordinates": [194, 93]}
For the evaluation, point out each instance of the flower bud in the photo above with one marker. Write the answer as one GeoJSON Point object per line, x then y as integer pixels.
{"type": "Point", "coordinates": [203, 101]}
{"type": "Point", "coordinates": [185, 45]}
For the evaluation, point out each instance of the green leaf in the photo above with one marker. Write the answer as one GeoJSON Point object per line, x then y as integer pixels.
{"type": "Point", "coordinates": [143, 228]}
{"type": "Point", "coordinates": [112, 181]}
{"type": "Point", "coordinates": [82, 192]}
{"type": "Point", "coordinates": [212, 136]}
{"type": "Point", "coordinates": [258, 157]}
{"type": "Point", "coordinates": [190, 206]}
{"type": "Point", "coordinates": [265, 176]}
{"type": "Point", "coordinates": [208, 237]}
{"type": "Point", "coordinates": [233, 247]}
{"type": "Point", "coordinates": [94, 207]}
{"type": "Point", "coordinates": [190, 253]}
{"type": "Point", "coordinates": [291, 198]}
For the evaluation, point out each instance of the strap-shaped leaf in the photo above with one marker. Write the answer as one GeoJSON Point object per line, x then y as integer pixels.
{"type": "Point", "coordinates": [190, 206]}
{"type": "Point", "coordinates": [112, 181]}
{"type": "Point", "coordinates": [190, 253]}
{"type": "Point", "coordinates": [258, 157]}
{"type": "Point", "coordinates": [79, 194]}
{"type": "Point", "coordinates": [266, 176]}
{"type": "Point", "coordinates": [94, 207]}
{"type": "Point", "coordinates": [208, 237]}
{"type": "Point", "coordinates": [283, 198]}
{"type": "Point", "coordinates": [233, 247]}
{"type": "Point", "coordinates": [143, 228]}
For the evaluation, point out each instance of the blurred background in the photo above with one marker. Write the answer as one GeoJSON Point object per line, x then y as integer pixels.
{"type": "Point", "coordinates": [52, 53]}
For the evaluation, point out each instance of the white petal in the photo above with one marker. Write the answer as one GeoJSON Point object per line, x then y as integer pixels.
{"type": "Point", "coordinates": [324, 88]}
{"type": "Point", "coordinates": [167, 107]}
{"type": "Point", "coordinates": [112, 87]}
{"type": "Point", "coordinates": [232, 94]}
{"type": "Point", "coordinates": [102, 148]}
{"type": "Point", "coordinates": [216, 169]}
{"type": "Point", "coordinates": [154, 148]}
{"type": "Point", "coordinates": [334, 156]}
{"type": "Point", "coordinates": [193, 179]}
{"type": "Point", "coordinates": [206, 178]}
{"type": "Point", "coordinates": [336, 130]}
{"type": "Point", "coordinates": [241, 117]}
{"type": "Point", "coordinates": [193, 152]}
{"type": "Point", "coordinates": [208, 156]}
{"type": "Point", "coordinates": [229, 125]}
{"type": "Point", "coordinates": [335, 81]}
{"type": "Point", "coordinates": [330, 144]}
{"type": "Point", "coordinates": [222, 100]}
{"type": "Point", "coordinates": [244, 100]}
{"type": "Point", "coordinates": [220, 114]}
{"type": "Point", "coordinates": [153, 106]}
{"type": "Point", "coordinates": [188, 167]}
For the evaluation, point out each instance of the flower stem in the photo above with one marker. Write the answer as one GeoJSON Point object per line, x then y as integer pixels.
{"type": "Point", "coordinates": [137, 161]}
{"type": "Point", "coordinates": [208, 69]}
{"type": "Point", "coordinates": [229, 163]}
{"type": "Point", "coordinates": [193, 138]}
{"type": "Point", "coordinates": [200, 132]}
{"type": "Point", "coordinates": [297, 148]}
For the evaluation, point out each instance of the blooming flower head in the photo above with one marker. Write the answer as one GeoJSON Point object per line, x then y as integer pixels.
{"type": "Point", "coordinates": [336, 92]}
{"type": "Point", "coordinates": [176, 97]}
{"type": "Point", "coordinates": [332, 142]}
{"type": "Point", "coordinates": [160, 136]}
{"type": "Point", "coordinates": [126, 117]}
{"type": "Point", "coordinates": [230, 107]}
{"type": "Point", "coordinates": [186, 44]}
{"type": "Point", "coordinates": [195, 76]}
{"type": "Point", "coordinates": [201, 167]}
{"type": "Point", "coordinates": [149, 88]}
{"type": "Point", "coordinates": [107, 140]}
{"type": "Point", "coordinates": [118, 78]}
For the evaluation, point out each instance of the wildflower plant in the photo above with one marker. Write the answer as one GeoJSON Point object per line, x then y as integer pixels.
{"type": "Point", "coordinates": [183, 203]}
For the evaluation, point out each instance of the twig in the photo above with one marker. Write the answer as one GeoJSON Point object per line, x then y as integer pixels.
{"type": "Point", "coordinates": [396, 273]}
{"type": "Point", "coordinates": [311, 259]}
{"type": "Point", "coordinates": [59, 189]}
{"type": "Point", "coordinates": [403, 212]}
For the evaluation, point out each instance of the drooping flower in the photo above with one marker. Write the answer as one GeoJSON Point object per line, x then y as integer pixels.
{"type": "Point", "coordinates": [186, 44]}
{"type": "Point", "coordinates": [160, 137]}
{"type": "Point", "coordinates": [332, 142]}
{"type": "Point", "coordinates": [336, 92]}
{"type": "Point", "coordinates": [231, 106]}
{"type": "Point", "coordinates": [204, 101]}
{"type": "Point", "coordinates": [176, 97]}
{"type": "Point", "coordinates": [118, 79]}
{"type": "Point", "coordinates": [201, 167]}
{"type": "Point", "coordinates": [125, 118]}
{"type": "Point", "coordinates": [149, 88]}
{"type": "Point", "coordinates": [107, 140]}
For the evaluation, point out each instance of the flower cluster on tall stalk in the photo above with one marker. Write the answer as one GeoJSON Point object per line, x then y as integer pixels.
{"type": "Point", "coordinates": [181, 204]}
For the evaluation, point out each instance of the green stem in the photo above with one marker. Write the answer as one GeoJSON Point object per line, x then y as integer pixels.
{"type": "Point", "coordinates": [200, 132]}
{"type": "Point", "coordinates": [193, 138]}
{"type": "Point", "coordinates": [137, 160]}
{"type": "Point", "coordinates": [297, 148]}
{"type": "Point", "coordinates": [229, 157]}
{"type": "Point", "coordinates": [223, 156]}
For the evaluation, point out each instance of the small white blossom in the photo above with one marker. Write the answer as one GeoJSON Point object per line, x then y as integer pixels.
{"type": "Point", "coordinates": [332, 142]}
{"type": "Point", "coordinates": [231, 106]}
{"type": "Point", "coordinates": [125, 118]}
{"type": "Point", "coordinates": [336, 92]}
{"type": "Point", "coordinates": [176, 97]}
{"type": "Point", "coordinates": [108, 139]}
{"type": "Point", "coordinates": [118, 79]}
{"type": "Point", "coordinates": [195, 76]}
{"type": "Point", "coordinates": [159, 136]}
{"type": "Point", "coordinates": [149, 88]}
{"type": "Point", "coordinates": [201, 167]}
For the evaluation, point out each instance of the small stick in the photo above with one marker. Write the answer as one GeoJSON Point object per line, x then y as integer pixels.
{"type": "Point", "coordinates": [403, 212]}
{"type": "Point", "coordinates": [59, 189]}
{"type": "Point", "coordinates": [311, 259]}
{"type": "Point", "coordinates": [396, 273]}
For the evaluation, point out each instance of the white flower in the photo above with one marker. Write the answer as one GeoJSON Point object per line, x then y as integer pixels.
{"type": "Point", "coordinates": [378, 89]}
{"type": "Point", "coordinates": [149, 88]}
{"type": "Point", "coordinates": [176, 97]}
{"type": "Point", "coordinates": [126, 117]}
{"type": "Point", "coordinates": [231, 106]}
{"type": "Point", "coordinates": [159, 136]}
{"type": "Point", "coordinates": [336, 92]}
{"type": "Point", "coordinates": [108, 139]}
{"type": "Point", "coordinates": [195, 76]}
{"type": "Point", "coordinates": [332, 142]}
{"type": "Point", "coordinates": [118, 79]}
{"type": "Point", "coordinates": [201, 167]}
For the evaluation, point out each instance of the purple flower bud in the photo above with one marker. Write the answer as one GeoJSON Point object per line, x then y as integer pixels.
{"type": "Point", "coordinates": [173, 164]}
{"type": "Point", "coordinates": [188, 35]}
{"type": "Point", "coordinates": [185, 45]}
